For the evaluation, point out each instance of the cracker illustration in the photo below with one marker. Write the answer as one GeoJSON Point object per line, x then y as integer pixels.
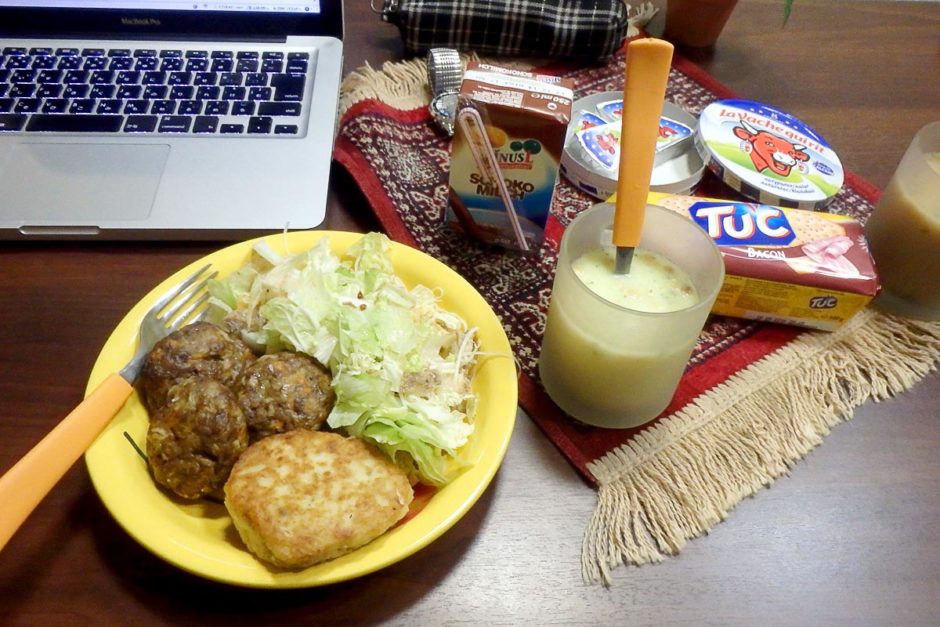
{"type": "Point", "coordinates": [811, 227]}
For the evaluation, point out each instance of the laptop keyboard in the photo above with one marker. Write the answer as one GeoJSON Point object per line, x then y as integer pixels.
{"type": "Point", "coordinates": [150, 91]}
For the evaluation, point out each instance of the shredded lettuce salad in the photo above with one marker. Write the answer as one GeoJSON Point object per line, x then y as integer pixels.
{"type": "Point", "coordinates": [401, 364]}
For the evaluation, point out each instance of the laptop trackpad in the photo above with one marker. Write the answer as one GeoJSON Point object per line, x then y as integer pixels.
{"type": "Point", "coordinates": [81, 184]}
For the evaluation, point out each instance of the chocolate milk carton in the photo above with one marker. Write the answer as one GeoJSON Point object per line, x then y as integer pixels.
{"type": "Point", "coordinates": [508, 142]}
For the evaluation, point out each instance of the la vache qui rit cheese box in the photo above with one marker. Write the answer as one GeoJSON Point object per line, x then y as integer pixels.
{"type": "Point", "coordinates": [794, 266]}
{"type": "Point", "coordinates": [508, 141]}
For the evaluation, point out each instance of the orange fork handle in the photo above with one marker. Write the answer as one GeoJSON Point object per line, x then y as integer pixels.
{"type": "Point", "coordinates": [31, 478]}
{"type": "Point", "coordinates": [644, 89]}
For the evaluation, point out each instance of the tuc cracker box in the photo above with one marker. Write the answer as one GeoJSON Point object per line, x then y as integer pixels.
{"type": "Point", "coordinates": [508, 140]}
{"type": "Point", "coordinates": [794, 266]}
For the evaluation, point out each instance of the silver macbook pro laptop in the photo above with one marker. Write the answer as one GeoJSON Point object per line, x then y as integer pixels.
{"type": "Point", "coordinates": [166, 119]}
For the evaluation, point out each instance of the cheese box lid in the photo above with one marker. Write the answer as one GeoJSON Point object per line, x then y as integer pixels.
{"type": "Point", "coordinates": [591, 156]}
{"type": "Point", "coordinates": [769, 155]}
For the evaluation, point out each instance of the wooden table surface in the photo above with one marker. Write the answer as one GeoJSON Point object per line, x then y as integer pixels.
{"type": "Point", "coordinates": [850, 536]}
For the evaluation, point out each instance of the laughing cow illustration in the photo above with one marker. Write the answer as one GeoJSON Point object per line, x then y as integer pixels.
{"type": "Point", "coordinates": [769, 151]}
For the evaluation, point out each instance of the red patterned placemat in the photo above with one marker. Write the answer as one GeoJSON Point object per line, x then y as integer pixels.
{"type": "Point", "coordinates": [744, 410]}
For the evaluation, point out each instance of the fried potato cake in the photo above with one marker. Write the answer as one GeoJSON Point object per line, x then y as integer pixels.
{"type": "Point", "coordinates": [303, 497]}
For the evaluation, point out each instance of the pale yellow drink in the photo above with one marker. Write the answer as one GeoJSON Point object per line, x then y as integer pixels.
{"type": "Point", "coordinates": [615, 346]}
{"type": "Point", "coordinates": [904, 232]}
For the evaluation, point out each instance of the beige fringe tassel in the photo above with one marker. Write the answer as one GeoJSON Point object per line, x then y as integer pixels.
{"type": "Point", "coordinates": [678, 479]}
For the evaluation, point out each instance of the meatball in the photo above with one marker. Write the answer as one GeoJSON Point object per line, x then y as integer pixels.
{"type": "Point", "coordinates": [200, 349]}
{"type": "Point", "coordinates": [285, 391]}
{"type": "Point", "coordinates": [196, 437]}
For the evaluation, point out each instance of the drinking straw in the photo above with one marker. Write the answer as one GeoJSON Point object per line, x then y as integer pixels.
{"type": "Point", "coordinates": [644, 89]}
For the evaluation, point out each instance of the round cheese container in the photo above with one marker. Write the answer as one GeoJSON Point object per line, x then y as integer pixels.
{"type": "Point", "coordinates": [590, 159]}
{"type": "Point", "coordinates": [768, 155]}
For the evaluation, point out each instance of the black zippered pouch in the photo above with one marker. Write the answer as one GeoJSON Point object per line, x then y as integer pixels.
{"type": "Point", "coordinates": [585, 29]}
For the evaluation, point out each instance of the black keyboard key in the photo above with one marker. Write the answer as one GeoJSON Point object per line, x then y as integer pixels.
{"type": "Point", "coordinates": [258, 79]}
{"type": "Point", "coordinates": [182, 92]}
{"type": "Point", "coordinates": [243, 107]}
{"type": "Point", "coordinates": [75, 76]}
{"type": "Point", "coordinates": [155, 92]}
{"type": "Point", "coordinates": [136, 106]}
{"type": "Point", "coordinates": [279, 56]}
{"type": "Point", "coordinates": [222, 54]}
{"type": "Point", "coordinates": [288, 87]}
{"type": "Point", "coordinates": [49, 76]}
{"type": "Point", "coordinates": [163, 107]}
{"type": "Point", "coordinates": [43, 63]}
{"type": "Point", "coordinates": [101, 77]}
{"type": "Point", "coordinates": [297, 62]}
{"type": "Point", "coordinates": [171, 54]}
{"type": "Point", "coordinates": [82, 105]}
{"type": "Point", "coordinates": [146, 63]}
{"type": "Point", "coordinates": [119, 52]}
{"type": "Point", "coordinates": [27, 105]}
{"type": "Point", "coordinates": [17, 62]}
{"type": "Point", "coordinates": [217, 107]}
{"type": "Point", "coordinates": [66, 52]}
{"type": "Point", "coordinates": [229, 129]}
{"type": "Point", "coordinates": [102, 91]}
{"type": "Point", "coordinates": [109, 105]}
{"type": "Point", "coordinates": [189, 107]}
{"type": "Point", "coordinates": [75, 123]}
{"type": "Point", "coordinates": [76, 91]}
{"type": "Point", "coordinates": [247, 54]}
{"type": "Point", "coordinates": [12, 121]}
{"type": "Point", "coordinates": [208, 92]}
{"type": "Point", "coordinates": [145, 52]}
{"type": "Point", "coordinates": [222, 65]}
{"type": "Point", "coordinates": [197, 65]}
{"type": "Point", "coordinates": [227, 79]}
{"type": "Point", "coordinates": [40, 51]}
{"type": "Point", "coordinates": [247, 65]}
{"type": "Point", "coordinates": [279, 108]}
{"type": "Point", "coordinates": [6, 105]}
{"type": "Point", "coordinates": [121, 63]}
{"type": "Point", "coordinates": [272, 65]}
{"type": "Point", "coordinates": [9, 51]}
{"type": "Point", "coordinates": [196, 54]}
{"type": "Point", "coordinates": [127, 77]}
{"type": "Point", "coordinates": [4, 88]}
{"type": "Point", "coordinates": [260, 125]}
{"type": "Point", "coordinates": [69, 63]}
{"type": "Point", "coordinates": [172, 64]}
{"type": "Point", "coordinates": [49, 90]}
{"type": "Point", "coordinates": [93, 52]}
{"type": "Point", "coordinates": [129, 91]}
{"type": "Point", "coordinates": [22, 90]}
{"type": "Point", "coordinates": [205, 124]}
{"type": "Point", "coordinates": [175, 124]}
{"type": "Point", "coordinates": [285, 129]}
{"type": "Point", "coordinates": [179, 78]}
{"type": "Point", "coordinates": [234, 93]}
{"type": "Point", "coordinates": [140, 124]}
{"type": "Point", "coordinates": [23, 76]}
{"type": "Point", "coordinates": [153, 78]}
{"type": "Point", "coordinates": [95, 63]}
{"type": "Point", "coordinates": [259, 93]}
{"type": "Point", "coordinates": [55, 105]}
{"type": "Point", "coordinates": [205, 78]}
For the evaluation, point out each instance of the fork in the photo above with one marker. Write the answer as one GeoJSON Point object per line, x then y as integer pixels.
{"type": "Point", "coordinates": [32, 477]}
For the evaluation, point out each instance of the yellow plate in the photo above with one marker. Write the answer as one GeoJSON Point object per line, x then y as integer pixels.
{"type": "Point", "coordinates": [200, 538]}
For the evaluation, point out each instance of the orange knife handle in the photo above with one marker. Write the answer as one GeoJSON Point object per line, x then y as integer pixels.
{"type": "Point", "coordinates": [645, 77]}
{"type": "Point", "coordinates": [31, 478]}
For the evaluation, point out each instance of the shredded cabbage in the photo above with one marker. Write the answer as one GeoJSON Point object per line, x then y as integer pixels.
{"type": "Point", "coordinates": [401, 364]}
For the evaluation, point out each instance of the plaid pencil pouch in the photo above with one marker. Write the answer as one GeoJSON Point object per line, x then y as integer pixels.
{"type": "Point", "coordinates": [591, 29]}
